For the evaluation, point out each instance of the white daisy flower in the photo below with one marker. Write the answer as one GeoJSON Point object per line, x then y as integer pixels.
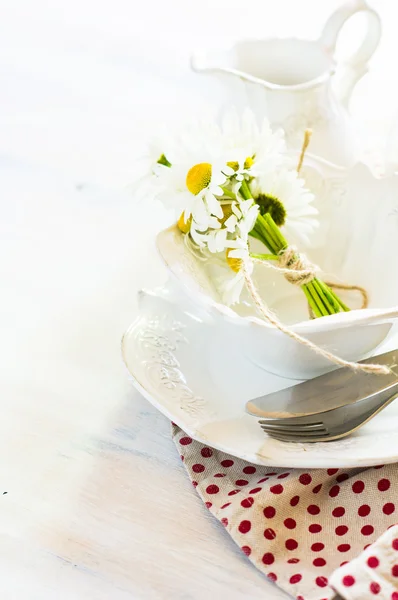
{"type": "Point", "coordinates": [283, 194]}
{"type": "Point", "coordinates": [251, 147]}
{"type": "Point", "coordinates": [192, 188]}
{"type": "Point", "coordinates": [233, 280]}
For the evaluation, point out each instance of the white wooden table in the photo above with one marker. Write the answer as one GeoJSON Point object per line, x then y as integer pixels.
{"type": "Point", "coordinates": [94, 500]}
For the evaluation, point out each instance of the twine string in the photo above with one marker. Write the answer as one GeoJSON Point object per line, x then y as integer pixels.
{"type": "Point", "coordinates": [273, 320]}
{"type": "Point", "coordinates": [298, 270]}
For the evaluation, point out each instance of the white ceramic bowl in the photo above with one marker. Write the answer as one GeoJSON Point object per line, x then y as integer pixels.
{"type": "Point", "coordinates": [357, 243]}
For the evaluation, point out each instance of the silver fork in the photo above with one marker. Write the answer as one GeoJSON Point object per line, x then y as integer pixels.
{"type": "Point", "coordinates": [330, 424]}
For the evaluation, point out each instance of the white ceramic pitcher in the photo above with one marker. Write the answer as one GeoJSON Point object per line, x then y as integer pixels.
{"type": "Point", "coordinates": [292, 82]}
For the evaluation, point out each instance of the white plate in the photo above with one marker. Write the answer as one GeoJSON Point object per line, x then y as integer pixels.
{"type": "Point", "coordinates": [188, 369]}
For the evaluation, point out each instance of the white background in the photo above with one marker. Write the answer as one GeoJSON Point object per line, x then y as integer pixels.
{"type": "Point", "coordinates": [98, 504]}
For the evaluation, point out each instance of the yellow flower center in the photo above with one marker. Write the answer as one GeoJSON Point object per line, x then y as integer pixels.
{"type": "Point", "coordinates": [184, 225]}
{"type": "Point", "coordinates": [198, 177]}
{"type": "Point", "coordinates": [234, 263]}
{"type": "Point", "coordinates": [233, 164]}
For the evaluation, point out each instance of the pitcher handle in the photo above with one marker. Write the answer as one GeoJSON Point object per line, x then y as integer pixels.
{"type": "Point", "coordinates": [356, 65]}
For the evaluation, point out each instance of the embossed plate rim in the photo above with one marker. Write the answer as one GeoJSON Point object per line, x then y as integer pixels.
{"type": "Point", "coordinates": [268, 452]}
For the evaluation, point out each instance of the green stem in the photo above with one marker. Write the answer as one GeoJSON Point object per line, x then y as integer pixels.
{"type": "Point", "coordinates": [245, 190]}
{"type": "Point", "coordinates": [322, 300]}
{"type": "Point", "coordinates": [256, 235]}
{"type": "Point", "coordinates": [323, 296]}
{"type": "Point", "coordinates": [311, 302]}
{"type": "Point", "coordinates": [312, 290]}
{"type": "Point", "coordinates": [276, 232]}
{"type": "Point", "coordinates": [332, 298]}
{"type": "Point", "coordinates": [228, 192]}
{"type": "Point", "coordinates": [339, 300]}
{"type": "Point", "coordinates": [264, 256]}
{"type": "Point", "coordinates": [268, 234]}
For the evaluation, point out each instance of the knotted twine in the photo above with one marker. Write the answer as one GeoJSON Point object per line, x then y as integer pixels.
{"type": "Point", "coordinates": [300, 271]}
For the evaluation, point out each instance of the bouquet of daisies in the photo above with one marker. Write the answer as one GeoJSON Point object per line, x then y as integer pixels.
{"type": "Point", "coordinates": [236, 181]}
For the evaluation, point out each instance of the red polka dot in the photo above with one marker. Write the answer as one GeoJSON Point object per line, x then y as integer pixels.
{"type": "Point", "coordinates": [268, 558]}
{"type": "Point", "coordinates": [375, 587]}
{"type": "Point", "coordinates": [198, 468]}
{"type": "Point", "coordinates": [319, 562]}
{"type": "Point", "coordinates": [295, 500]}
{"type": "Point", "coordinates": [293, 561]}
{"type": "Point", "coordinates": [270, 474]}
{"type": "Point", "coordinates": [249, 470]}
{"type": "Point", "coordinates": [247, 502]}
{"type": "Point", "coordinates": [227, 463]}
{"type": "Point", "coordinates": [276, 489]}
{"type": "Point", "coordinates": [246, 550]}
{"type": "Point", "coordinates": [341, 530]}
{"type": "Point", "coordinates": [244, 526]}
{"type": "Point", "coordinates": [364, 510]}
{"type": "Point", "coordinates": [272, 576]}
{"type": "Point", "coordinates": [300, 598]}
{"type": "Point", "coordinates": [367, 530]}
{"type": "Point", "coordinates": [317, 547]}
{"type": "Point", "coordinates": [366, 546]}
{"type": "Point", "coordinates": [339, 511]}
{"type": "Point", "coordinates": [321, 581]}
{"type": "Point", "coordinates": [348, 581]}
{"type": "Point", "coordinates": [269, 512]}
{"type": "Point", "coordinates": [383, 485]}
{"type": "Point", "coordinates": [263, 479]}
{"type": "Point", "coordinates": [332, 471]}
{"type": "Point", "coordinates": [184, 441]}
{"type": "Point", "coordinates": [394, 596]}
{"type": "Point", "coordinates": [182, 458]}
{"type": "Point", "coordinates": [342, 477]}
{"type": "Point", "coordinates": [334, 491]}
{"type": "Point", "coordinates": [295, 578]}
{"type": "Point", "coordinates": [388, 508]}
{"type": "Point", "coordinates": [269, 534]}
{"type": "Point", "coordinates": [226, 505]}
{"type": "Point", "coordinates": [290, 523]}
{"type": "Point", "coordinates": [315, 528]}
{"type": "Point", "coordinates": [233, 492]}
{"type": "Point", "coordinates": [208, 504]}
{"type": "Point", "coordinates": [291, 544]}
{"type": "Point", "coordinates": [206, 452]}
{"type": "Point", "coordinates": [395, 544]}
{"type": "Point", "coordinates": [212, 489]}
{"type": "Point", "coordinates": [344, 547]}
{"type": "Point", "coordinates": [373, 562]}
{"type": "Point", "coordinates": [241, 482]}
{"type": "Point", "coordinates": [255, 490]}
{"type": "Point", "coordinates": [313, 509]}
{"type": "Point", "coordinates": [317, 489]}
{"type": "Point", "coordinates": [345, 562]}
{"type": "Point", "coordinates": [219, 475]}
{"type": "Point", "coordinates": [394, 571]}
{"type": "Point", "coordinates": [224, 522]}
{"type": "Point", "coordinates": [358, 487]}
{"type": "Point", "coordinates": [195, 484]}
{"type": "Point", "coordinates": [283, 475]}
{"type": "Point", "coordinates": [305, 479]}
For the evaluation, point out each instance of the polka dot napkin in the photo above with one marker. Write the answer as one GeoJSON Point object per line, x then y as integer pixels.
{"type": "Point", "coordinates": [311, 532]}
